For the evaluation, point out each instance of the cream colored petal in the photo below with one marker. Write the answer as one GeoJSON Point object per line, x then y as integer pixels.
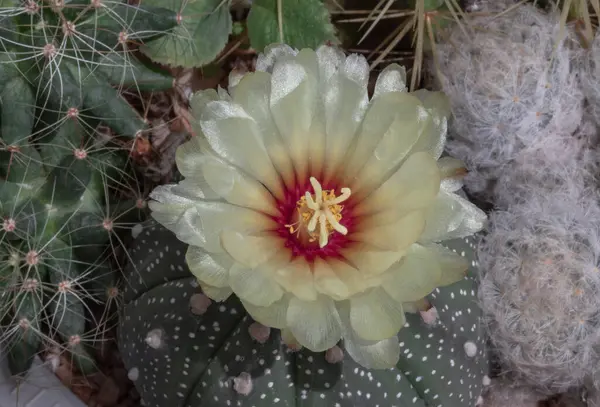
{"type": "Point", "coordinates": [188, 163]}
{"type": "Point", "coordinates": [388, 132]}
{"type": "Point", "coordinates": [293, 101]}
{"type": "Point", "coordinates": [314, 324]}
{"type": "Point", "coordinates": [273, 316]}
{"type": "Point", "coordinates": [216, 293]}
{"type": "Point", "coordinates": [288, 338]}
{"type": "Point", "coordinates": [347, 272]}
{"type": "Point", "coordinates": [253, 93]}
{"type": "Point", "coordinates": [328, 282]}
{"type": "Point", "coordinates": [250, 251]}
{"type": "Point", "coordinates": [436, 131]}
{"type": "Point", "coordinates": [415, 277]}
{"type": "Point", "coordinates": [272, 54]}
{"type": "Point", "coordinates": [198, 102]}
{"type": "Point", "coordinates": [294, 276]}
{"type": "Point", "coordinates": [235, 136]}
{"type": "Point", "coordinates": [236, 187]}
{"type": "Point", "coordinates": [368, 260]}
{"type": "Point", "coordinates": [451, 217]}
{"type": "Point", "coordinates": [330, 59]}
{"type": "Point", "coordinates": [397, 236]}
{"type": "Point", "coordinates": [346, 101]}
{"type": "Point", "coordinates": [199, 222]}
{"type": "Point", "coordinates": [452, 171]}
{"type": "Point", "coordinates": [391, 79]}
{"type": "Point", "coordinates": [375, 316]}
{"type": "Point", "coordinates": [209, 268]}
{"type": "Point", "coordinates": [381, 355]}
{"type": "Point", "coordinates": [253, 286]}
{"type": "Point", "coordinates": [414, 186]}
{"type": "Point", "coordinates": [454, 267]}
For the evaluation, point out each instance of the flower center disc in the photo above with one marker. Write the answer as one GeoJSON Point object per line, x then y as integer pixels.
{"type": "Point", "coordinates": [314, 223]}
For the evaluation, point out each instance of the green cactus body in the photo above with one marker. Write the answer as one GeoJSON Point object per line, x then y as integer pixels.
{"type": "Point", "coordinates": [65, 67]}
{"type": "Point", "coordinates": [181, 353]}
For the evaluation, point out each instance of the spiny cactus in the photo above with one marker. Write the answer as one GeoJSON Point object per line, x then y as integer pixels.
{"type": "Point", "coordinates": [67, 189]}
{"type": "Point", "coordinates": [182, 349]}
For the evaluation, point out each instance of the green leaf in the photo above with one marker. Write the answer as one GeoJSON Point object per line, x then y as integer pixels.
{"type": "Point", "coordinates": [17, 104]}
{"type": "Point", "coordinates": [202, 33]}
{"type": "Point", "coordinates": [26, 342]}
{"type": "Point", "coordinates": [127, 71]}
{"type": "Point", "coordinates": [122, 22]}
{"type": "Point", "coordinates": [105, 102]}
{"type": "Point", "coordinates": [305, 24]}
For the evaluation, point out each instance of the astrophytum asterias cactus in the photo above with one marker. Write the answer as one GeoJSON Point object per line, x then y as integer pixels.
{"type": "Point", "coordinates": [318, 207]}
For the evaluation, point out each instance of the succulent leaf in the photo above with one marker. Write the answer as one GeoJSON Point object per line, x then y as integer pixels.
{"type": "Point", "coordinates": [17, 104]}
{"type": "Point", "coordinates": [305, 24]}
{"type": "Point", "coordinates": [25, 344]}
{"type": "Point", "coordinates": [202, 33]}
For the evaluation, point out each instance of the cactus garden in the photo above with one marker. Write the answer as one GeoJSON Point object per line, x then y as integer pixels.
{"type": "Point", "coordinates": [308, 203]}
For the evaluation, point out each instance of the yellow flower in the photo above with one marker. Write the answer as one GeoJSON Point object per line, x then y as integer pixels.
{"type": "Point", "coordinates": [317, 206]}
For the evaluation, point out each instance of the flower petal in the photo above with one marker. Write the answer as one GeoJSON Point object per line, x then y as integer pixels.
{"type": "Point", "coordinates": [414, 186]}
{"type": "Point", "coordinates": [250, 251]}
{"type": "Point", "coordinates": [391, 79]}
{"type": "Point", "coordinates": [415, 277]}
{"type": "Point", "coordinates": [209, 268]}
{"type": "Point", "coordinates": [253, 93]}
{"type": "Point", "coordinates": [451, 217]}
{"type": "Point", "coordinates": [436, 131]}
{"type": "Point", "coordinates": [397, 236]}
{"type": "Point", "coordinates": [452, 171]}
{"type": "Point", "coordinates": [216, 293]}
{"type": "Point", "coordinates": [274, 316]}
{"type": "Point", "coordinates": [235, 136]}
{"type": "Point", "coordinates": [273, 53]}
{"type": "Point", "coordinates": [380, 355]}
{"type": "Point", "coordinates": [345, 101]}
{"type": "Point", "coordinates": [294, 275]}
{"type": "Point", "coordinates": [369, 262]}
{"type": "Point", "coordinates": [199, 222]}
{"type": "Point", "coordinates": [384, 145]}
{"type": "Point", "coordinates": [329, 59]}
{"type": "Point", "coordinates": [454, 267]}
{"type": "Point", "coordinates": [327, 281]}
{"type": "Point", "coordinates": [376, 316]}
{"type": "Point", "coordinates": [253, 286]}
{"type": "Point", "coordinates": [314, 324]}
{"type": "Point", "coordinates": [236, 187]}
{"type": "Point", "coordinates": [294, 96]}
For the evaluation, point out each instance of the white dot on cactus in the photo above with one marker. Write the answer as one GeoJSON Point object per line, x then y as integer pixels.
{"type": "Point", "coordinates": [80, 153]}
{"type": "Point", "coordinates": [486, 380]}
{"type": "Point", "coordinates": [259, 332]}
{"type": "Point", "coordinates": [470, 349]}
{"type": "Point", "coordinates": [31, 7]}
{"type": "Point", "coordinates": [334, 355]}
{"type": "Point", "coordinates": [179, 18]}
{"type": "Point", "coordinates": [154, 338]}
{"type": "Point", "coordinates": [141, 203]}
{"type": "Point", "coordinates": [72, 113]}
{"type": "Point", "coordinates": [74, 340]}
{"type": "Point", "coordinates": [243, 384]}
{"type": "Point", "coordinates": [136, 230]}
{"type": "Point", "coordinates": [96, 3]}
{"type": "Point", "coordinates": [30, 284]}
{"type": "Point", "coordinates": [24, 324]}
{"type": "Point", "coordinates": [112, 292]}
{"type": "Point", "coordinates": [9, 225]}
{"type": "Point", "coordinates": [199, 303]}
{"type": "Point", "coordinates": [107, 224]}
{"type": "Point", "coordinates": [32, 258]}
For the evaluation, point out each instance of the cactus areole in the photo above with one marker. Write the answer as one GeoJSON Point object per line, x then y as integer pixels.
{"type": "Point", "coordinates": [186, 353]}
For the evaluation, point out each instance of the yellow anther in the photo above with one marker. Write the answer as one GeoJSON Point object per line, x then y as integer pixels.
{"type": "Point", "coordinates": [322, 210]}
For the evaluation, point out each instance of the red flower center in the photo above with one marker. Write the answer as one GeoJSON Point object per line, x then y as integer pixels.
{"type": "Point", "coordinates": [315, 220]}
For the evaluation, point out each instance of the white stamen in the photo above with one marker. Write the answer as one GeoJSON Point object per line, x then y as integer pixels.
{"type": "Point", "coordinates": [323, 235]}
{"type": "Point", "coordinates": [345, 195]}
{"type": "Point", "coordinates": [318, 190]}
{"type": "Point", "coordinates": [334, 223]}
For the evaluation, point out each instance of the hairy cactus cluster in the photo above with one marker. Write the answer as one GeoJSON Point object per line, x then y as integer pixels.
{"type": "Point", "coordinates": [67, 187]}
{"type": "Point", "coordinates": [525, 124]}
